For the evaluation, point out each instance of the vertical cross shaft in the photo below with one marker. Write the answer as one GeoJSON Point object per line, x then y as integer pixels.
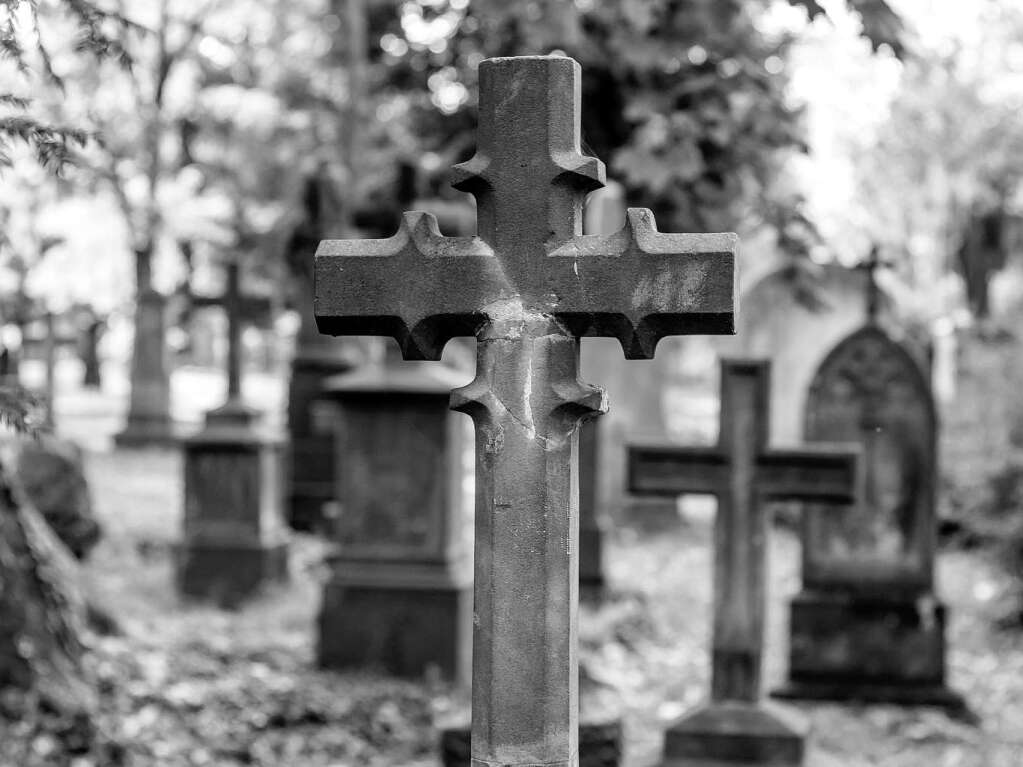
{"type": "Point", "coordinates": [233, 308]}
{"type": "Point", "coordinates": [528, 286]}
{"type": "Point", "coordinates": [743, 473]}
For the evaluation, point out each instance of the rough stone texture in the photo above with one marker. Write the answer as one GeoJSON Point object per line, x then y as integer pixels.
{"type": "Point", "coordinates": [600, 745]}
{"type": "Point", "coordinates": [743, 473]}
{"type": "Point", "coordinates": [399, 594]}
{"type": "Point", "coordinates": [859, 564]}
{"type": "Point", "coordinates": [635, 392]}
{"type": "Point", "coordinates": [52, 473]}
{"type": "Point", "coordinates": [528, 286]}
{"type": "Point", "coordinates": [149, 420]}
{"type": "Point", "coordinates": [234, 540]}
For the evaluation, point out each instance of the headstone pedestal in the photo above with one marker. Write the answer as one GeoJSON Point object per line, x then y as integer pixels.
{"type": "Point", "coordinates": [235, 541]}
{"type": "Point", "coordinates": [400, 590]}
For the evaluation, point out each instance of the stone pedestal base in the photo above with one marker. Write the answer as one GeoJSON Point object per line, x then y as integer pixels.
{"type": "Point", "coordinates": [147, 432]}
{"type": "Point", "coordinates": [735, 733]}
{"type": "Point", "coordinates": [849, 647]}
{"type": "Point", "coordinates": [229, 574]}
{"type": "Point", "coordinates": [404, 627]}
{"type": "Point", "coordinates": [600, 745]}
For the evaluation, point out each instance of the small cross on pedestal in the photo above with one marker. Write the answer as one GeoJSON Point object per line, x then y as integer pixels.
{"type": "Point", "coordinates": [743, 473]}
{"type": "Point", "coordinates": [528, 286]}
{"type": "Point", "coordinates": [872, 264]}
{"type": "Point", "coordinates": [239, 309]}
{"type": "Point", "coordinates": [234, 539]}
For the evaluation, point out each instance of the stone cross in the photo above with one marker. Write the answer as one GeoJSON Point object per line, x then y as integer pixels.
{"type": "Point", "coordinates": [743, 473]}
{"type": "Point", "coordinates": [527, 286]}
{"type": "Point", "coordinates": [872, 264]}
{"type": "Point", "coordinates": [238, 309]}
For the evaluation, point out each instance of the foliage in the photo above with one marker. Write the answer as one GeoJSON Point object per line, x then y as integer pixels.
{"type": "Point", "coordinates": [685, 100]}
{"type": "Point", "coordinates": [943, 180]}
{"type": "Point", "coordinates": [98, 33]}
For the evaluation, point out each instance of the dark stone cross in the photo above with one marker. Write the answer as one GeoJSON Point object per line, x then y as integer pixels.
{"type": "Point", "coordinates": [239, 308]}
{"type": "Point", "coordinates": [872, 264]}
{"type": "Point", "coordinates": [743, 473]}
{"type": "Point", "coordinates": [528, 286]}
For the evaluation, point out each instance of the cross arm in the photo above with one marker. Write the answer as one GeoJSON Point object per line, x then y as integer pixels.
{"type": "Point", "coordinates": [673, 470]}
{"type": "Point", "coordinates": [418, 286]}
{"type": "Point", "coordinates": [822, 473]}
{"type": "Point", "coordinates": [672, 284]}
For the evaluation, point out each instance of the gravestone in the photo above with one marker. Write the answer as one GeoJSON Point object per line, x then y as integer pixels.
{"type": "Point", "coordinates": [528, 286]}
{"type": "Point", "coordinates": [148, 420]}
{"type": "Point", "coordinates": [737, 726]}
{"type": "Point", "coordinates": [235, 541]}
{"type": "Point", "coordinates": [310, 475]}
{"type": "Point", "coordinates": [867, 624]}
{"type": "Point", "coordinates": [400, 590]}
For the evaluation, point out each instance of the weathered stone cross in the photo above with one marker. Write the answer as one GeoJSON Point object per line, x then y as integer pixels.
{"type": "Point", "coordinates": [528, 286]}
{"type": "Point", "coordinates": [743, 473]}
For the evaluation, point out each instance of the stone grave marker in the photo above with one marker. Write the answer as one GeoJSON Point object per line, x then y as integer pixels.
{"type": "Point", "coordinates": [867, 624]}
{"type": "Point", "coordinates": [527, 286]}
{"type": "Point", "coordinates": [149, 420]}
{"type": "Point", "coordinates": [743, 473]}
{"type": "Point", "coordinates": [234, 539]}
{"type": "Point", "coordinates": [400, 590]}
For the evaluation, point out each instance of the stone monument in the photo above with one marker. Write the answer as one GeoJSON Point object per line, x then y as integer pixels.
{"type": "Point", "coordinates": [867, 624]}
{"type": "Point", "coordinates": [528, 286]}
{"type": "Point", "coordinates": [400, 590]}
{"type": "Point", "coordinates": [737, 725]}
{"type": "Point", "coordinates": [235, 540]}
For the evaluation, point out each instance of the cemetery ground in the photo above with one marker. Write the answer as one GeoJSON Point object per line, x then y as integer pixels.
{"type": "Point", "coordinates": [186, 684]}
{"type": "Point", "coordinates": [195, 685]}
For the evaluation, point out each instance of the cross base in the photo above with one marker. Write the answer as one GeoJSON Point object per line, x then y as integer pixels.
{"type": "Point", "coordinates": [145, 431]}
{"type": "Point", "coordinates": [600, 744]}
{"type": "Point", "coordinates": [233, 414]}
{"type": "Point", "coordinates": [733, 733]}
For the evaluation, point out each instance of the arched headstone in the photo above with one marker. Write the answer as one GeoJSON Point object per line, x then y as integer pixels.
{"type": "Point", "coordinates": [867, 624]}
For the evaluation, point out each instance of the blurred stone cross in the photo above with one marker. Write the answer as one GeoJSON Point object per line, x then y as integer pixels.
{"type": "Point", "coordinates": [239, 309]}
{"type": "Point", "coordinates": [743, 473]}
{"type": "Point", "coordinates": [872, 264]}
{"type": "Point", "coordinates": [527, 286]}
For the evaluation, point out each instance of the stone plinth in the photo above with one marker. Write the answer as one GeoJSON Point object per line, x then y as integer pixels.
{"type": "Point", "coordinates": [870, 648]}
{"type": "Point", "coordinates": [728, 733]}
{"type": "Point", "coordinates": [600, 745]}
{"type": "Point", "coordinates": [235, 540]}
{"type": "Point", "coordinates": [399, 595]}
